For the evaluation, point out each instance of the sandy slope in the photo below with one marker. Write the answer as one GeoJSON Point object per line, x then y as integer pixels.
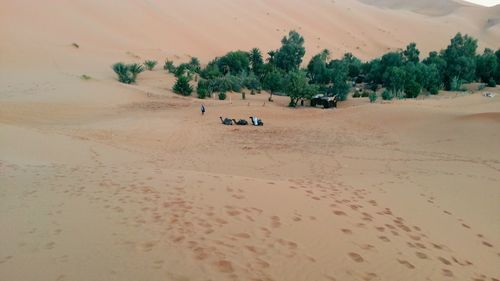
{"type": "Point", "coordinates": [103, 181]}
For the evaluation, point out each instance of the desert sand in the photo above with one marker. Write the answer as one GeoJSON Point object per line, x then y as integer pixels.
{"type": "Point", "coordinates": [105, 181]}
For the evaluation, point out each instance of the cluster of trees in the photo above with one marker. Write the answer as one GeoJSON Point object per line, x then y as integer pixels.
{"type": "Point", "coordinates": [280, 73]}
{"type": "Point", "coordinates": [402, 73]}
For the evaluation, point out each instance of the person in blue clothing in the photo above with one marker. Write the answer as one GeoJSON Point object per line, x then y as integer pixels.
{"type": "Point", "coordinates": [202, 108]}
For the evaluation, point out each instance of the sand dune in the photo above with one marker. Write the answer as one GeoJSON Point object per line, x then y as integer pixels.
{"type": "Point", "coordinates": [105, 181]}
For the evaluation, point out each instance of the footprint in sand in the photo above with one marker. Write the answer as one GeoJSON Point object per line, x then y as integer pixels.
{"type": "Point", "coordinates": [421, 255]}
{"type": "Point", "coordinates": [384, 238]}
{"type": "Point", "coordinates": [407, 264]}
{"type": "Point", "coordinates": [50, 245]}
{"type": "Point", "coordinates": [346, 231]}
{"type": "Point", "coordinates": [339, 213]}
{"type": "Point", "coordinates": [447, 272]}
{"type": "Point", "coordinates": [356, 257]}
{"type": "Point", "coordinates": [242, 235]}
{"type": "Point", "coordinates": [445, 261]}
{"type": "Point", "coordinates": [224, 266]}
{"type": "Point", "coordinates": [487, 244]}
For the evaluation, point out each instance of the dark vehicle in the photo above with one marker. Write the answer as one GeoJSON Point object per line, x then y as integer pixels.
{"type": "Point", "coordinates": [326, 102]}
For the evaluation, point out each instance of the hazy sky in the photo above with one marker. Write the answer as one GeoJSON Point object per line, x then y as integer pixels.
{"type": "Point", "coordinates": [485, 2]}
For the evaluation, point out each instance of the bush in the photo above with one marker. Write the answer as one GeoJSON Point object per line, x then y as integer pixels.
{"type": "Point", "coordinates": [365, 94]}
{"type": "Point", "coordinates": [222, 95]}
{"type": "Point", "coordinates": [492, 83]}
{"type": "Point", "coordinates": [226, 83]}
{"type": "Point", "coordinates": [356, 94]}
{"type": "Point", "coordinates": [412, 89]}
{"type": "Point", "coordinates": [182, 86]}
{"type": "Point", "coordinates": [387, 95]}
{"type": "Point", "coordinates": [127, 73]}
{"type": "Point", "coordinates": [169, 66]}
{"type": "Point", "coordinates": [203, 89]}
{"type": "Point", "coordinates": [373, 97]}
{"type": "Point", "coordinates": [251, 82]}
{"type": "Point", "coordinates": [455, 84]}
{"type": "Point", "coordinates": [150, 64]}
{"type": "Point", "coordinates": [434, 90]}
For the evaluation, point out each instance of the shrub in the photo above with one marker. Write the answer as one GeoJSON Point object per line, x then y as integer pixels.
{"type": "Point", "coordinates": [455, 84]}
{"type": "Point", "coordinates": [434, 90]}
{"type": "Point", "coordinates": [387, 95]}
{"type": "Point", "coordinates": [373, 97]}
{"type": "Point", "coordinates": [150, 64]}
{"type": "Point", "coordinates": [492, 83]}
{"type": "Point", "coordinates": [251, 82]}
{"type": "Point", "coordinates": [194, 65]}
{"type": "Point", "coordinates": [203, 89]}
{"type": "Point", "coordinates": [412, 89]}
{"type": "Point", "coordinates": [135, 69]}
{"type": "Point", "coordinates": [75, 45]}
{"type": "Point", "coordinates": [182, 86]}
{"type": "Point", "coordinates": [127, 73]}
{"type": "Point", "coordinates": [365, 94]}
{"type": "Point", "coordinates": [226, 83]}
{"type": "Point", "coordinates": [121, 70]}
{"type": "Point", "coordinates": [222, 96]}
{"type": "Point", "coordinates": [356, 94]}
{"type": "Point", "coordinates": [85, 77]}
{"type": "Point", "coordinates": [169, 66]}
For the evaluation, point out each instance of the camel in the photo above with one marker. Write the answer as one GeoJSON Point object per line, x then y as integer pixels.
{"type": "Point", "coordinates": [240, 122]}
{"type": "Point", "coordinates": [256, 121]}
{"type": "Point", "coordinates": [226, 121]}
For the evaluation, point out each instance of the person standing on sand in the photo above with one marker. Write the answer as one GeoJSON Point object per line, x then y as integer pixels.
{"type": "Point", "coordinates": [202, 108]}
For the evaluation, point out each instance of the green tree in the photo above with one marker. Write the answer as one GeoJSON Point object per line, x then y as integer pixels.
{"type": "Point", "coordinates": [411, 53]}
{"type": "Point", "coordinates": [317, 70]}
{"type": "Point", "coordinates": [203, 89]}
{"type": "Point", "coordinates": [460, 57]}
{"type": "Point", "coordinates": [438, 61]}
{"type": "Point", "coordinates": [211, 71]}
{"type": "Point", "coordinates": [338, 77]}
{"type": "Point", "coordinates": [394, 80]}
{"type": "Point", "coordinates": [273, 82]}
{"type": "Point", "coordinates": [297, 87]}
{"type": "Point", "coordinates": [256, 61]}
{"type": "Point", "coordinates": [234, 62]}
{"type": "Point", "coordinates": [497, 72]}
{"type": "Point", "coordinates": [486, 66]}
{"type": "Point", "coordinates": [182, 86]}
{"type": "Point", "coordinates": [194, 65]}
{"type": "Point", "coordinates": [353, 65]}
{"type": "Point", "coordinates": [289, 56]}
